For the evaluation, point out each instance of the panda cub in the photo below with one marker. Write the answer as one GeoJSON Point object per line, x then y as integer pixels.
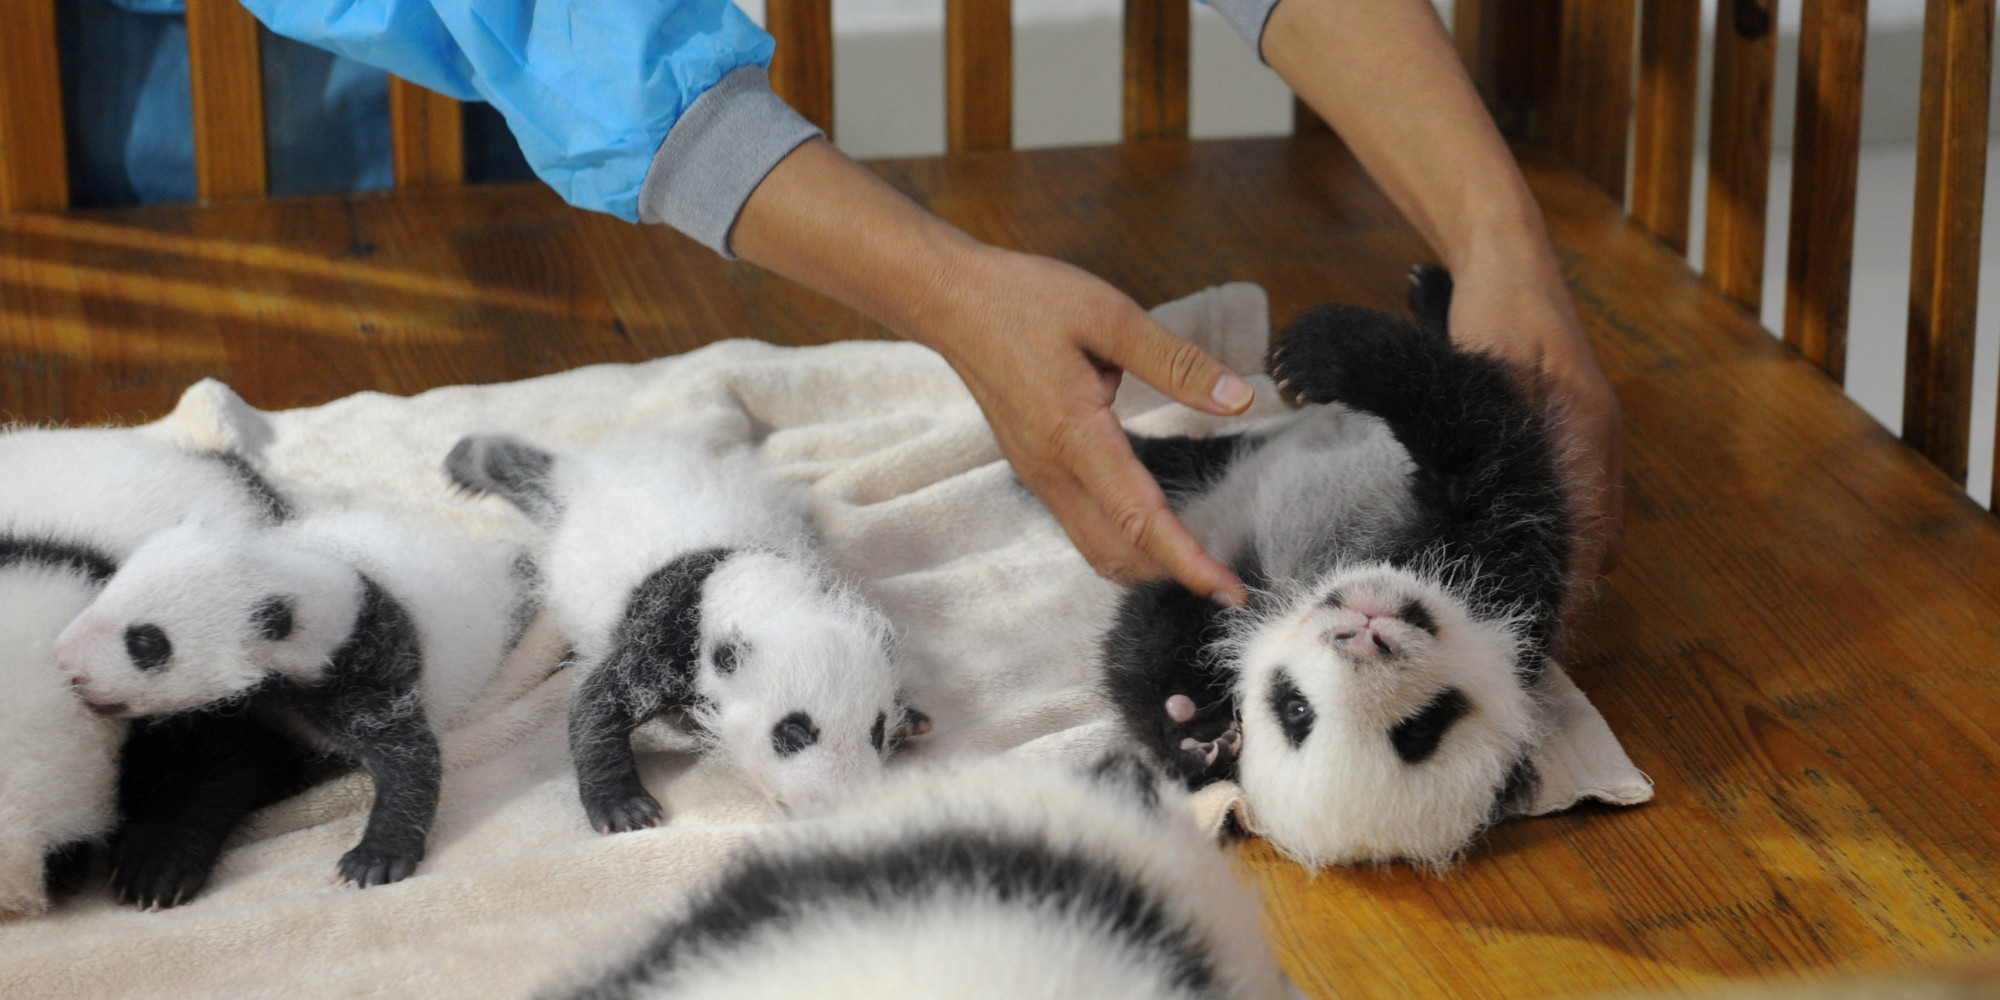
{"type": "Point", "coordinates": [361, 628]}
{"type": "Point", "coordinates": [689, 583]}
{"type": "Point", "coordinates": [1406, 540]}
{"type": "Point", "coordinates": [1001, 879]}
{"type": "Point", "coordinates": [58, 761]}
{"type": "Point", "coordinates": [74, 502]}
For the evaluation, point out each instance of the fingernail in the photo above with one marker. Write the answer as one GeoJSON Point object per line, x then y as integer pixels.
{"type": "Point", "coordinates": [1226, 599]}
{"type": "Point", "coordinates": [1231, 392]}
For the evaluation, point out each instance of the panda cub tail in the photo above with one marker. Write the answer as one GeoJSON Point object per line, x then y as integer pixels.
{"type": "Point", "coordinates": [510, 468]}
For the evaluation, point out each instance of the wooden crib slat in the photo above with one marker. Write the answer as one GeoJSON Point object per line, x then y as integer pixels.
{"type": "Point", "coordinates": [1739, 160]}
{"type": "Point", "coordinates": [1826, 156]}
{"type": "Point", "coordinates": [1944, 257]}
{"type": "Point", "coordinates": [802, 67]}
{"type": "Point", "coordinates": [1590, 106]}
{"type": "Point", "coordinates": [34, 172]}
{"type": "Point", "coordinates": [226, 70]}
{"type": "Point", "coordinates": [978, 75]}
{"type": "Point", "coordinates": [1664, 127]}
{"type": "Point", "coordinates": [1156, 69]}
{"type": "Point", "coordinates": [427, 130]}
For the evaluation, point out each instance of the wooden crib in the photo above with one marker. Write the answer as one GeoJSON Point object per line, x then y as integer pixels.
{"type": "Point", "coordinates": [1802, 645]}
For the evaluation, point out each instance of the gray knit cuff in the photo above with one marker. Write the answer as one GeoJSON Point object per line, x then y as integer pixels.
{"type": "Point", "coordinates": [717, 153]}
{"type": "Point", "coordinates": [1247, 17]}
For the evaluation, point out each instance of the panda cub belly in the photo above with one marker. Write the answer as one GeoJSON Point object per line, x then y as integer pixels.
{"type": "Point", "coordinates": [999, 878]}
{"type": "Point", "coordinates": [1406, 538]}
{"type": "Point", "coordinates": [689, 581]}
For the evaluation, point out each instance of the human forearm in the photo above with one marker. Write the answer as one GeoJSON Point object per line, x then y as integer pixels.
{"type": "Point", "coordinates": [1384, 74]}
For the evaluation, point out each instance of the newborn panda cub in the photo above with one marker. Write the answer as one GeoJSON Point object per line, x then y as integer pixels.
{"type": "Point", "coordinates": [58, 761]}
{"type": "Point", "coordinates": [999, 879]}
{"type": "Point", "coordinates": [363, 628]}
{"type": "Point", "coordinates": [689, 584]}
{"type": "Point", "coordinates": [74, 502]}
{"type": "Point", "coordinates": [1406, 537]}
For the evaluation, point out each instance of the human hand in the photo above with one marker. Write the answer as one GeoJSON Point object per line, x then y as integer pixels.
{"type": "Point", "coordinates": [1042, 346]}
{"type": "Point", "coordinates": [1514, 304]}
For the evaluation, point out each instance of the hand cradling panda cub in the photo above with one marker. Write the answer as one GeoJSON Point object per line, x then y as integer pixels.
{"type": "Point", "coordinates": [1405, 537]}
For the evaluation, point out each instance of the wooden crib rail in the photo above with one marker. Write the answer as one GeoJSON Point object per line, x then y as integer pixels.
{"type": "Point", "coordinates": [225, 67]}
{"type": "Point", "coordinates": [1568, 101]}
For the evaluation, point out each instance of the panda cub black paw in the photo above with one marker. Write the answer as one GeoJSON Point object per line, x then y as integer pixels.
{"type": "Point", "coordinates": [156, 873]}
{"type": "Point", "coordinates": [367, 865]}
{"type": "Point", "coordinates": [621, 813]}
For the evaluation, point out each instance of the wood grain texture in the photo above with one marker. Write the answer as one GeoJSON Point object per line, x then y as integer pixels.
{"type": "Point", "coordinates": [1664, 119]}
{"type": "Point", "coordinates": [1156, 70]}
{"type": "Point", "coordinates": [1798, 646]}
{"type": "Point", "coordinates": [34, 170]}
{"type": "Point", "coordinates": [1511, 50]}
{"type": "Point", "coordinates": [226, 73]}
{"type": "Point", "coordinates": [1944, 256]}
{"type": "Point", "coordinates": [1586, 116]}
{"type": "Point", "coordinates": [802, 66]}
{"type": "Point", "coordinates": [978, 75]}
{"type": "Point", "coordinates": [1739, 158]}
{"type": "Point", "coordinates": [427, 133]}
{"type": "Point", "coordinates": [1826, 157]}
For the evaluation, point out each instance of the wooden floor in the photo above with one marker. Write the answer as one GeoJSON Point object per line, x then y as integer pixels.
{"type": "Point", "coordinates": [1802, 646]}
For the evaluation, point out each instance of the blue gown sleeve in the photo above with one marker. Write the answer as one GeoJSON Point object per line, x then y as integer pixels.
{"type": "Point", "coordinates": [592, 89]}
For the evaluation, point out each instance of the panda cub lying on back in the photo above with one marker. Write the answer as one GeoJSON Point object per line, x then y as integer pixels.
{"type": "Point", "coordinates": [1406, 538]}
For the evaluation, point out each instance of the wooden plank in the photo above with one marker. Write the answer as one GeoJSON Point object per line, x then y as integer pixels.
{"type": "Point", "coordinates": [1739, 156]}
{"type": "Point", "coordinates": [978, 75]}
{"type": "Point", "coordinates": [802, 66]}
{"type": "Point", "coordinates": [1664, 120]}
{"type": "Point", "coordinates": [1510, 51]}
{"type": "Point", "coordinates": [1156, 69]}
{"type": "Point", "coordinates": [34, 171]}
{"type": "Point", "coordinates": [1587, 114]}
{"type": "Point", "coordinates": [226, 70]}
{"type": "Point", "coordinates": [1817, 814]}
{"type": "Point", "coordinates": [1944, 256]}
{"type": "Point", "coordinates": [1306, 121]}
{"type": "Point", "coordinates": [1826, 157]}
{"type": "Point", "coordinates": [427, 131]}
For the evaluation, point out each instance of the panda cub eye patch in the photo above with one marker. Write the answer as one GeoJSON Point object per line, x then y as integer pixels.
{"type": "Point", "coordinates": [148, 647]}
{"type": "Point", "coordinates": [1417, 737]}
{"type": "Point", "coordinates": [793, 733]}
{"type": "Point", "coordinates": [879, 732]}
{"type": "Point", "coordinates": [272, 617]}
{"type": "Point", "coordinates": [1294, 713]}
{"type": "Point", "coordinates": [728, 653]}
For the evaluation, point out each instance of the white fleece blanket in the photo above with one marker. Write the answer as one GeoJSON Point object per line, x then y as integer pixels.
{"type": "Point", "coordinates": [999, 613]}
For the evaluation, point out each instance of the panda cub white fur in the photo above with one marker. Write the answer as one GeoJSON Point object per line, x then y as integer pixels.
{"type": "Point", "coordinates": [74, 502]}
{"type": "Point", "coordinates": [1406, 538]}
{"type": "Point", "coordinates": [997, 879]}
{"type": "Point", "coordinates": [689, 582]}
{"type": "Point", "coordinates": [370, 627]}
{"type": "Point", "coordinates": [58, 760]}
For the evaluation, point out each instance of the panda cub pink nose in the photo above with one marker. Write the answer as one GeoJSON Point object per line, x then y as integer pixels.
{"type": "Point", "coordinates": [1359, 628]}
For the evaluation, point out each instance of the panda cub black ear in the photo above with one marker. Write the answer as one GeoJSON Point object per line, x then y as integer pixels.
{"type": "Point", "coordinates": [272, 618]}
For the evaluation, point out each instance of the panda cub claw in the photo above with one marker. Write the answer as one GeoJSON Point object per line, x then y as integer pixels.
{"type": "Point", "coordinates": [616, 814]}
{"type": "Point", "coordinates": [366, 866]}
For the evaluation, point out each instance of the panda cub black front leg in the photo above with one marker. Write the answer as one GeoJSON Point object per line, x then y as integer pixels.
{"type": "Point", "coordinates": [1173, 690]}
{"type": "Point", "coordinates": [602, 718]}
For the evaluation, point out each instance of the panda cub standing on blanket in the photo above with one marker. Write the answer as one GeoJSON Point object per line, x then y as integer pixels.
{"type": "Point", "coordinates": [1001, 879]}
{"type": "Point", "coordinates": [689, 583]}
{"type": "Point", "coordinates": [1406, 541]}
{"type": "Point", "coordinates": [360, 630]}
{"type": "Point", "coordinates": [73, 503]}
